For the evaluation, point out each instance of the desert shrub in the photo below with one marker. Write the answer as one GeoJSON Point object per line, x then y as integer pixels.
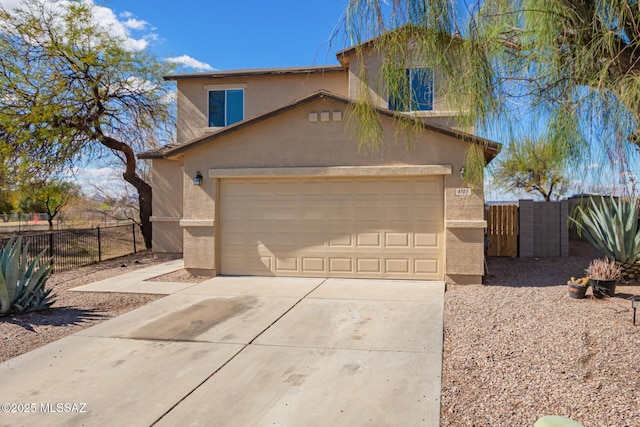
{"type": "Point", "coordinates": [611, 227]}
{"type": "Point", "coordinates": [22, 282]}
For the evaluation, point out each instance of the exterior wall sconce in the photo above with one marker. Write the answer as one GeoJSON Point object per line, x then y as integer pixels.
{"type": "Point", "coordinates": [197, 180]}
{"type": "Point", "coordinates": [635, 302]}
{"type": "Point", "coordinates": [462, 172]}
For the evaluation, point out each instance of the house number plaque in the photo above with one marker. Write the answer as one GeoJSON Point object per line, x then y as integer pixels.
{"type": "Point", "coordinates": [463, 191]}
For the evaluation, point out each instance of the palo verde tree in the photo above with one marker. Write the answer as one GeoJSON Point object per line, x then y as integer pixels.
{"type": "Point", "coordinates": [71, 91]}
{"type": "Point", "coordinates": [532, 166]}
{"type": "Point", "coordinates": [574, 64]}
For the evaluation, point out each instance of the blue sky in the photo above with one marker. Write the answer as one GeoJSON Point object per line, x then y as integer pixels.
{"type": "Point", "coordinates": [218, 35]}
{"type": "Point", "coordinates": [238, 34]}
{"type": "Point", "coordinates": [227, 35]}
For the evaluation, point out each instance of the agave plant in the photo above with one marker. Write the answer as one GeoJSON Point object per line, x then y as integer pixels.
{"type": "Point", "coordinates": [22, 283]}
{"type": "Point", "coordinates": [612, 227]}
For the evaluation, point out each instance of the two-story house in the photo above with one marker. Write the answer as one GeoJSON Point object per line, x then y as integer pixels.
{"type": "Point", "coordinates": [267, 179]}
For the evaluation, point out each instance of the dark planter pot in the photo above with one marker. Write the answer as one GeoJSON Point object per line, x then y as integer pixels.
{"type": "Point", "coordinates": [602, 288]}
{"type": "Point", "coordinates": [577, 291]}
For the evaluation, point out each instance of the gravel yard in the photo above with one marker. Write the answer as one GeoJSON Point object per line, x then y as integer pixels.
{"type": "Point", "coordinates": [519, 348]}
{"type": "Point", "coordinates": [515, 349]}
{"type": "Point", "coordinates": [73, 311]}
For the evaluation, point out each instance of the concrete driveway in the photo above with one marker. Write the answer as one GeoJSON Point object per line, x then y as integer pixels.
{"type": "Point", "coordinates": [245, 351]}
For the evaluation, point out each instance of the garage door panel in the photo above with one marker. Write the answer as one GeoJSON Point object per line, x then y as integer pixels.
{"type": "Point", "coordinates": [426, 187]}
{"type": "Point", "coordinates": [369, 265]}
{"type": "Point", "coordinates": [369, 240]}
{"type": "Point", "coordinates": [313, 264]}
{"type": "Point", "coordinates": [368, 213]}
{"type": "Point", "coordinates": [289, 264]}
{"type": "Point", "coordinates": [340, 240]}
{"type": "Point", "coordinates": [397, 240]}
{"type": "Point", "coordinates": [341, 265]}
{"type": "Point", "coordinates": [426, 240]}
{"type": "Point", "coordinates": [398, 266]}
{"type": "Point", "coordinates": [395, 187]}
{"type": "Point", "coordinates": [328, 227]}
{"type": "Point", "coordinates": [426, 266]}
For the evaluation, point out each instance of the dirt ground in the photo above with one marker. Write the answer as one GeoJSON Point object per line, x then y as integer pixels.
{"type": "Point", "coordinates": [515, 348]}
{"type": "Point", "coordinates": [73, 311]}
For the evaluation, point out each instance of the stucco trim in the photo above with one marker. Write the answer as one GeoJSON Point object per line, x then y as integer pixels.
{"type": "Point", "coordinates": [333, 171]}
{"type": "Point", "coordinates": [465, 224]}
{"type": "Point", "coordinates": [165, 218]}
{"type": "Point", "coordinates": [197, 223]}
{"type": "Point", "coordinates": [226, 86]}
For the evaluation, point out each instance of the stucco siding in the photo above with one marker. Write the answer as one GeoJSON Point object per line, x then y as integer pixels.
{"type": "Point", "coordinates": [262, 94]}
{"type": "Point", "coordinates": [291, 140]}
{"type": "Point", "coordinates": [371, 79]}
{"type": "Point", "coordinates": [465, 251]}
{"type": "Point", "coordinates": [167, 205]}
{"type": "Point", "coordinates": [199, 250]}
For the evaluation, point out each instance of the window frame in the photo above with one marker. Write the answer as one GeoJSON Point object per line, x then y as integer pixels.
{"type": "Point", "coordinates": [412, 102]}
{"type": "Point", "coordinates": [225, 89]}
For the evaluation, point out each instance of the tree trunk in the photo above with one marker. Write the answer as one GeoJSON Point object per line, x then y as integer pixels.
{"type": "Point", "coordinates": [144, 201]}
{"type": "Point", "coordinates": [131, 176]}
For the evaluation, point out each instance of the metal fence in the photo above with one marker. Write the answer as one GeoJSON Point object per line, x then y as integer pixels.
{"type": "Point", "coordinates": [71, 249]}
{"type": "Point", "coordinates": [23, 222]}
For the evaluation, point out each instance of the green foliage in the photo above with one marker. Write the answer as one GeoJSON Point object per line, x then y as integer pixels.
{"type": "Point", "coordinates": [72, 91]}
{"type": "Point", "coordinates": [22, 283]}
{"type": "Point", "coordinates": [49, 197]}
{"type": "Point", "coordinates": [6, 202]}
{"type": "Point", "coordinates": [611, 226]}
{"type": "Point", "coordinates": [571, 65]}
{"type": "Point", "coordinates": [532, 166]}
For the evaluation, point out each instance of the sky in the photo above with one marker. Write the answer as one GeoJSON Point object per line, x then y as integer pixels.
{"type": "Point", "coordinates": [218, 35]}
{"type": "Point", "coordinates": [227, 35]}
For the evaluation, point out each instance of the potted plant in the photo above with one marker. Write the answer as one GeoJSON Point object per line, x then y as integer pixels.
{"type": "Point", "coordinates": [578, 287]}
{"type": "Point", "coordinates": [603, 274]}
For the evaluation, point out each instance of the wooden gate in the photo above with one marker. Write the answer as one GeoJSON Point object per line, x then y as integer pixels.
{"type": "Point", "coordinates": [502, 230]}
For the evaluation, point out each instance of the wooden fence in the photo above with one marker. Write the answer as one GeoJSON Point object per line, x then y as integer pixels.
{"type": "Point", "coordinates": [502, 230]}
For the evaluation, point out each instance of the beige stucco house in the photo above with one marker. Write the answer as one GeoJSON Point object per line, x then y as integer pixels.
{"type": "Point", "coordinates": [267, 179]}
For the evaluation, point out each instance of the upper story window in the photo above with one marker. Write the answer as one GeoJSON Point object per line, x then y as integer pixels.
{"type": "Point", "coordinates": [226, 107]}
{"type": "Point", "coordinates": [419, 81]}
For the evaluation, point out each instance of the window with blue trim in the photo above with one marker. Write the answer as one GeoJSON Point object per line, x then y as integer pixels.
{"type": "Point", "coordinates": [416, 92]}
{"type": "Point", "coordinates": [226, 107]}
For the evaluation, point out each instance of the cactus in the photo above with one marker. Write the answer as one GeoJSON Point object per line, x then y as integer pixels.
{"type": "Point", "coordinates": [22, 283]}
{"type": "Point", "coordinates": [611, 227]}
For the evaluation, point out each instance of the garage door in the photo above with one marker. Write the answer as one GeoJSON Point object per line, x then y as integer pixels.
{"type": "Point", "coordinates": [368, 228]}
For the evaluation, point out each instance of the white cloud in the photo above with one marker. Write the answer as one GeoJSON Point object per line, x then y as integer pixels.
{"type": "Point", "coordinates": [135, 24]}
{"type": "Point", "coordinates": [10, 4]}
{"type": "Point", "coordinates": [107, 19]}
{"type": "Point", "coordinates": [190, 62]}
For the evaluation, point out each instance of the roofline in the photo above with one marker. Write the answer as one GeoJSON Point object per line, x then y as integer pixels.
{"type": "Point", "coordinates": [491, 148]}
{"type": "Point", "coordinates": [258, 72]}
{"type": "Point", "coordinates": [344, 53]}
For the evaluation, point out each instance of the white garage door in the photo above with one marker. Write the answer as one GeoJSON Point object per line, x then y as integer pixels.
{"type": "Point", "coordinates": [329, 227]}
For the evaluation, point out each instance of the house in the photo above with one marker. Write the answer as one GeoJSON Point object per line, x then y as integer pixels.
{"type": "Point", "coordinates": [266, 178]}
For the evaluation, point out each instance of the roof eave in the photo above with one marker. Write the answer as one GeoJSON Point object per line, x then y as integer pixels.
{"type": "Point", "coordinates": [258, 72]}
{"type": "Point", "coordinates": [490, 148]}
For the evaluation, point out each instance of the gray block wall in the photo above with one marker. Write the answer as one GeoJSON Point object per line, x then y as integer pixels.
{"type": "Point", "coordinates": [526, 236]}
{"type": "Point", "coordinates": [543, 229]}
